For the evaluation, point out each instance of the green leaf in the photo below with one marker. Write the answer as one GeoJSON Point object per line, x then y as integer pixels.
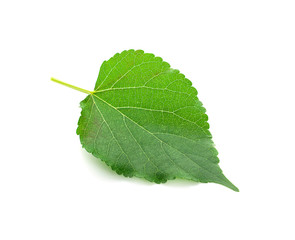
{"type": "Point", "coordinates": [144, 119]}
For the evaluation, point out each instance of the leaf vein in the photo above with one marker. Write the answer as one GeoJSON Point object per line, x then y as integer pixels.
{"type": "Point", "coordinates": [139, 87]}
{"type": "Point", "coordinates": [113, 69]}
{"type": "Point", "coordinates": [139, 144]}
{"type": "Point", "coordinates": [130, 71]}
{"type": "Point", "coordinates": [112, 132]}
{"type": "Point", "coordinates": [163, 111]}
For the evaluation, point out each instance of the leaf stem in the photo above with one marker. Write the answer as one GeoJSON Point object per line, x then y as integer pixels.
{"type": "Point", "coordinates": [71, 86]}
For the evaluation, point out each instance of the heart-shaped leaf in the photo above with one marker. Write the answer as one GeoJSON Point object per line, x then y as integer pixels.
{"type": "Point", "coordinates": [144, 119]}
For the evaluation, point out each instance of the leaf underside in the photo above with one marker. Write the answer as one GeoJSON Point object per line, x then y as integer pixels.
{"type": "Point", "coordinates": [144, 119]}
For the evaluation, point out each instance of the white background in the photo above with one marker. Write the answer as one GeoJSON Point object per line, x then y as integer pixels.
{"type": "Point", "coordinates": [240, 55]}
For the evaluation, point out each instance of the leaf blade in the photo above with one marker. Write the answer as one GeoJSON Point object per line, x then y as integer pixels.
{"type": "Point", "coordinates": [154, 123]}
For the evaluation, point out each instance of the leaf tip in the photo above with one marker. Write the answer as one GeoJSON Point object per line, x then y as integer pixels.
{"type": "Point", "coordinates": [235, 188]}
{"type": "Point", "coordinates": [231, 186]}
